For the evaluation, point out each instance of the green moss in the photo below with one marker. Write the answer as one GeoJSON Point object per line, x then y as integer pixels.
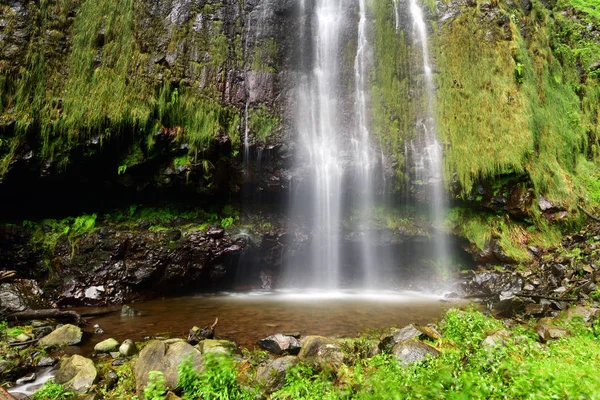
{"type": "Point", "coordinates": [262, 122]}
{"type": "Point", "coordinates": [264, 57]}
{"type": "Point", "coordinates": [394, 104]}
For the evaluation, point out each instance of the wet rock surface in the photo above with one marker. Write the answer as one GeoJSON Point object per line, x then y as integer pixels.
{"type": "Point", "coordinates": [66, 335]}
{"type": "Point", "coordinates": [76, 373]}
{"type": "Point", "coordinates": [280, 344]}
{"type": "Point", "coordinates": [555, 279]}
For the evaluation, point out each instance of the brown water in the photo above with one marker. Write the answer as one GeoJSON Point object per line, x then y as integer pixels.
{"type": "Point", "coordinates": [245, 318]}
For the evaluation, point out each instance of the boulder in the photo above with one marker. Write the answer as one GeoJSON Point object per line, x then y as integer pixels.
{"type": "Point", "coordinates": [321, 352]}
{"type": "Point", "coordinates": [587, 314]}
{"type": "Point", "coordinates": [280, 344]}
{"type": "Point", "coordinates": [548, 332]}
{"type": "Point", "coordinates": [412, 351]}
{"type": "Point", "coordinates": [66, 335]}
{"type": "Point", "coordinates": [172, 396]}
{"type": "Point", "coordinates": [272, 376]}
{"type": "Point", "coordinates": [496, 339]}
{"type": "Point", "coordinates": [387, 341]}
{"type": "Point", "coordinates": [128, 348]}
{"type": "Point", "coordinates": [107, 346]}
{"type": "Point", "coordinates": [216, 346]}
{"type": "Point", "coordinates": [158, 356]}
{"type": "Point", "coordinates": [76, 373]}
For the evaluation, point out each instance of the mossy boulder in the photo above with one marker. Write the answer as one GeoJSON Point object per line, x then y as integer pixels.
{"type": "Point", "coordinates": [158, 356]}
{"type": "Point", "coordinates": [66, 335]}
{"type": "Point", "coordinates": [76, 373]}
{"type": "Point", "coordinates": [273, 374]}
{"type": "Point", "coordinates": [107, 346]}
{"type": "Point", "coordinates": [412, 351]}
{"type": "Point", "coordinates": [321, 353]}
{"type": "Point", "coordinates": [216, 346]}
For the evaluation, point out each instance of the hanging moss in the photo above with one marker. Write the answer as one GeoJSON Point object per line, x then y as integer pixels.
{"type": "Point", "coordinates": [511, 100]}
{"type": "Point", "coordinates": [394, 103]}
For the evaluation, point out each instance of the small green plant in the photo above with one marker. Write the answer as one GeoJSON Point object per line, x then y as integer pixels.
{"type": "Point", "coordinates": [121, 170]}
{"type": "Point", "coordinates": [217, 382]}
{"type": "Point", "coordinates": [227, 222]}
{"type": "Point", "coordinates": [52, 391]}
{"type": "Point", "coordinates": [155, 389]}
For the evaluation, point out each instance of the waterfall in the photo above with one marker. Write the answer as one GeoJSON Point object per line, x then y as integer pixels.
{"type": "Point", "coordinates": [365, 203]}
{"type": "Point", "coordinates": [318, 131]}
{"type": "Point", "coordinates": [426, 150]}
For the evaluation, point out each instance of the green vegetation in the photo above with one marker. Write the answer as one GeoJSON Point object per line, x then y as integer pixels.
{"type": "Point", "coordinates": [217, 382]}
{"type": "Point", "coordinates": [155, 390]}
{"type": "Point", "coordinates": [262, 122]}
{"type": "Point", "coordinates": [106, 90]}
{"type": "Point", "coordinates": [394, 107]}
{"type": "Point", "coordinates": [52, 391]}
{"type": "Point", "coordinates": [513, 237]}
{"type": "Point", "coordinates": [264, 57]}
{"type": "Point", "coordinates": [526, 110]}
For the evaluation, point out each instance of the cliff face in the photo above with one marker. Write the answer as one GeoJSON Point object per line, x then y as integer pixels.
{"type": "Point", "coordinates": [108, 104]}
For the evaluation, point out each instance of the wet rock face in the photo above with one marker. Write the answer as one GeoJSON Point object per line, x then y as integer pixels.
{"type": "Point", "coordinates": [280, 344]}
{"type": "Point", "coordinates": [117, 266]}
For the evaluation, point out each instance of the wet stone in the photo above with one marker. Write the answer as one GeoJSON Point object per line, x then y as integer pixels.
{"type": "Point", "coordinates": [280, 344]}
{"type": "Point", "coordinates": [412, 351]}
{"type": "Point", "coordinates": [548, 332]}
{"type": "Point", "coordinates": [107, 346]}
{"type": "Point", "coordinates": [46, 362]}
{"type": "Point", "coordinates": [127, 311]}
{"type": "Point", "coordinates": [27, 378]}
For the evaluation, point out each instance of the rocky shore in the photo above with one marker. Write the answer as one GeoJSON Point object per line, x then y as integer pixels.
{"type": "Point", "coordinates": [182, 367]}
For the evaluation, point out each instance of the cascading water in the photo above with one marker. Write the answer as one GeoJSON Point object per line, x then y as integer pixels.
{"type": "Point", "coordinates": [362, 150]}
{"type": "Point", "coordinates": [318, 131]}
{"type": "Point", "coordinates": [340, 171]}
{"type": "Point", "coordinates": [426, 150]}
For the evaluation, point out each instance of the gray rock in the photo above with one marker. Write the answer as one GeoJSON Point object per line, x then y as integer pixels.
{"type": "Point", "coordinates": [412, 351]}
{"type": "Point", "coordinates": [548, 332]}
{"type": "Point", "coordinates": [158, 356]}
{"type": "Point", "coordinates": [5, 365]}
{"type": "Point", "coordinates": [321, 352]}
{"type": "Point", "coordinates": [587, 314]}
{"type": "Point", "coordinates": [387, 341]}
{"type": "Point", "coordinates": [272, 376]}
{"type": "Point", "coordinates": [280, 344]}
{"type": "Point", "coordinates": [27, 378]}
{"type": "Point", "coordinates": [46, 362]}
{"type": "Point", "coordinates": [76, 373]}
{"type": "Point", "coordinates": [66, 335]}
{"type": "Point", "coordinates": [107, 346]}
{"type": "Point", "coordinates": [128, 348]}
{"type": "Point", "coordinates": [496, 339]}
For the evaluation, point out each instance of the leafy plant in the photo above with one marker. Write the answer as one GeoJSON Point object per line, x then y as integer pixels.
{"type": "Point", "coordinates": [217, 382]}
{"type": "Point", "coordinates": [52, 391]}
{"type": "Point", "coordinates": [155, 389]}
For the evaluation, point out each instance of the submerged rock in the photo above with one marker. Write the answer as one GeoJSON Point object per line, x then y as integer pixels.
{"type": "Point", "coordinates": [107, 346]}
{"type": "Point", "coordinates": [412, 351]}
{"type": "Point", "coordinates": [280, 344]}
{"type": "Point", "coordinates": [76, 373]}
{"type": "Point", "coordinates": [273, 374]}
{"type": "Point", "coordinates": [321, 353]}
{"type": "Point", "coordinates": [127, 311]}
{"type": "Point", "coordinates": [158, 356]}
{"type": "Point", "coordinates": [66, 335]}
